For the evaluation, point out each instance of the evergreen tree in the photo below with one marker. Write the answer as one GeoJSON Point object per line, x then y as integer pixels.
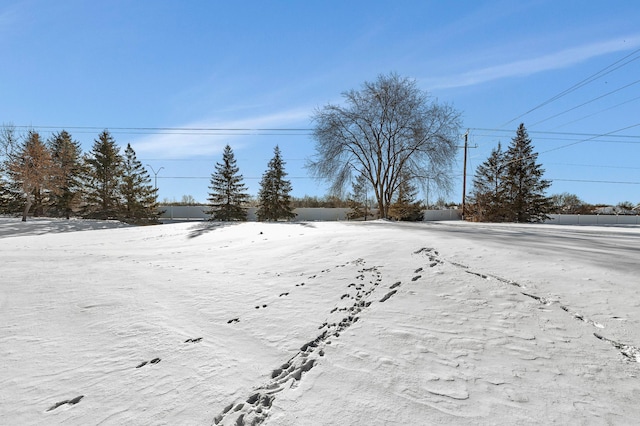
{"type": "Point", "coordinates": [274, 201]}
{"type": "Point", "coordinates": [405, 207]}
{"type": "Point", "coordinates": [66, 154]}
{"type": "Point", "coordinates": [138, 194]}
{"type": "Point", "coordinates": [228, 195]}
{"type": "Point", "coordinates": [10, 193]}
{"type": "Point", "coordinates": [9, 197]}
{"type": "Point", "coordinates": [488, 198]}
{"type": "Point", "coordinates": [525, 187]}
{"type": "Point", "coordinates": [357, 200]}
{"type": "Point", "coordinates": [104, 171]}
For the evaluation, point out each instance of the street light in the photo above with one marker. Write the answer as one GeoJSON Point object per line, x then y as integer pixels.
{"type": "Point", "coordinates": [155, 175]}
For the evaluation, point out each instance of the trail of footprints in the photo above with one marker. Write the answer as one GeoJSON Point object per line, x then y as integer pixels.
{"type": "Point", "coordinates": [255, 409]}
{"type": "Point", "coordinates": [630, 352]}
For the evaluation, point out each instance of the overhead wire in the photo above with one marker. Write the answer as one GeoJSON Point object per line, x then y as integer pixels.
{"type": "Point", "coordinates": [598, 112]}
{"type": "Point", "coordinates": [601, 73]}
{"type": "Point", "coordinates": [584, 103]}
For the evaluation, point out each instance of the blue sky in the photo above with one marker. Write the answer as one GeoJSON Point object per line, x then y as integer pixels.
{"type": "Point", "coordinates": [134, 67]}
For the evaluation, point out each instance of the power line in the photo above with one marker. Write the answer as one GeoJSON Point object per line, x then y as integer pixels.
{"type": "Point", "coordinates": [594, 165]}
{"type": "Point", "coordinates": [585, 103]}
{"type": "Point", "coordinates": [598, 112]}
{"type": "Point", "coordinates": [244, 177]}
{"type": "Point", "coordinates": [580, 84]}
{"type": "Point", "coordinates": [533, 132]}
{"type": "Point", "coordinates": [589, 139]}
{"type": "Point", "coordinates": [632, 142]}
{"type": "Point", "coordinates": [179, 130]}
{"type": "Point", "coordinates": [596, 181]}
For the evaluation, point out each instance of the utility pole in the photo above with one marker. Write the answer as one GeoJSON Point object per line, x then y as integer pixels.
{"type": "Point", "coordinates": [464, 174]}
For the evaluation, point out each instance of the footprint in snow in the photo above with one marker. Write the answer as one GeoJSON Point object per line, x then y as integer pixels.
{"type": "Point", "coordinates": [73, 401]}
{"type": "Point", "coordinates": [153, 361]}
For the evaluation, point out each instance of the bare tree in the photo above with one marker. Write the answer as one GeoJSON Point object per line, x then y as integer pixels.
{"type": "Point", "coordinates": [32, 167]}
{"type": "Point", "coordinates": [388, 129]}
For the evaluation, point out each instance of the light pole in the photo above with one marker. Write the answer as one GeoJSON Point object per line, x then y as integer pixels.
{"type": "Point", "coordinates": [155, 175]}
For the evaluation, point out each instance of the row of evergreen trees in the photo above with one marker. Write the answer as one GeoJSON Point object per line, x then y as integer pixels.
{"type": "Point", "coordinates": [509, 186]}
{"type": "Point", "coordinates": [55, 178]}
{"type": "Point", "coordinates": [228, 197]}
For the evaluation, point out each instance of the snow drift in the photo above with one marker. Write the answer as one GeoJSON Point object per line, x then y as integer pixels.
{"type": "Point", "coordinates": [323, 323]}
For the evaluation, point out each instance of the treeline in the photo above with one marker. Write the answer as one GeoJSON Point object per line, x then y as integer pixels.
{"type": "Point", "coordinates": [55, 178]}
{"type": "Point", "coordinates": [567, 203]}
{"type": "Point", "coordinates": [509, 187]}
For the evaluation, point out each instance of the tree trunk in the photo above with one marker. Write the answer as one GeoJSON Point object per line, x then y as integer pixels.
{"type": "Point", "coordinates": [27, 206]}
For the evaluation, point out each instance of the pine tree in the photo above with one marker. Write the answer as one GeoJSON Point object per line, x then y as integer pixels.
{"type": "Point", "coordinates": [405, 207]}
{"type": "Point", "coordinates": [138, 194]}
{"type": "Point", "coordinates": [357, 200]}
{"type": "Point", "coordinates": [9, 197]}
{"type": "Point", "coordinates": [274, 201]}
{"type": "Point", "coordinates": [10, 200]}
{"type": "Point", "coordinates": [104, 171]}
{"type": "Point", "coordinates": [524, 185]}
{"type": "Point", "coordinates": [488, 198]}
{"type": "Point", "coordinates": [228, 195]}
{"type": "Point", "coordinates": [66, 154]}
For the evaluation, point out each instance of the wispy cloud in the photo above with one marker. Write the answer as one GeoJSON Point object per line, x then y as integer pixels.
{"type": "Point", "coordinates": [193, 143]}
{"type": "Point", "coordinates": [561, 59]}
{"type": "Point", "coordinates": [9, 17]}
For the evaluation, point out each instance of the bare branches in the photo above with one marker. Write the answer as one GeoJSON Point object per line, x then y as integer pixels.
{"type": "Point", "coordinates": [389, 128]}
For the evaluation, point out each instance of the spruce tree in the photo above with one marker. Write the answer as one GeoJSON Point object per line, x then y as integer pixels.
{"type": "Point", "coordinates": [357, 199]}
{"type": "Point", "coordinates": [274, 201]}
{"type": "Point", "coordinates": [228, 195]}
{"type": "Point", "coordinates": [488, 198]}
{"type": "Point", "coordinates": [9, 191]}
{"type": "Point", "coordinates": [66, 155]}
{"type": "Point", "coordinates": [405, 207]}
{"type": "Point", "coordinates": [104, 171]}
{"type": "Point", "coordinates": [139, 197]}
{"type": "Point", "coordinates": [524, 185]}
{"type": "Point", "coordinates": [9, 197]}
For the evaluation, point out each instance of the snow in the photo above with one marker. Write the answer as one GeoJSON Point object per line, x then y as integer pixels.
{"type": "Point", "coordinates": [318, 323]}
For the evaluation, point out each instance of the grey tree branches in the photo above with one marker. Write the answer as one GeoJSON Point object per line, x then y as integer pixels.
{"type": "Point", "coordinates": [389, 131]}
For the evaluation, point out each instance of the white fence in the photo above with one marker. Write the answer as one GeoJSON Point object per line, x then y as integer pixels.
{"type": "Point", "coordinates": [450, 214]}
{"type": "Point", "coordinates": [593, 219]}
{"type": "Point", "coordinates": [187, 213]}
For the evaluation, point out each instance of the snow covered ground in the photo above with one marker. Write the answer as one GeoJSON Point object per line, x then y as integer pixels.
{"type": "Point", "coordinates": [319, 323]}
